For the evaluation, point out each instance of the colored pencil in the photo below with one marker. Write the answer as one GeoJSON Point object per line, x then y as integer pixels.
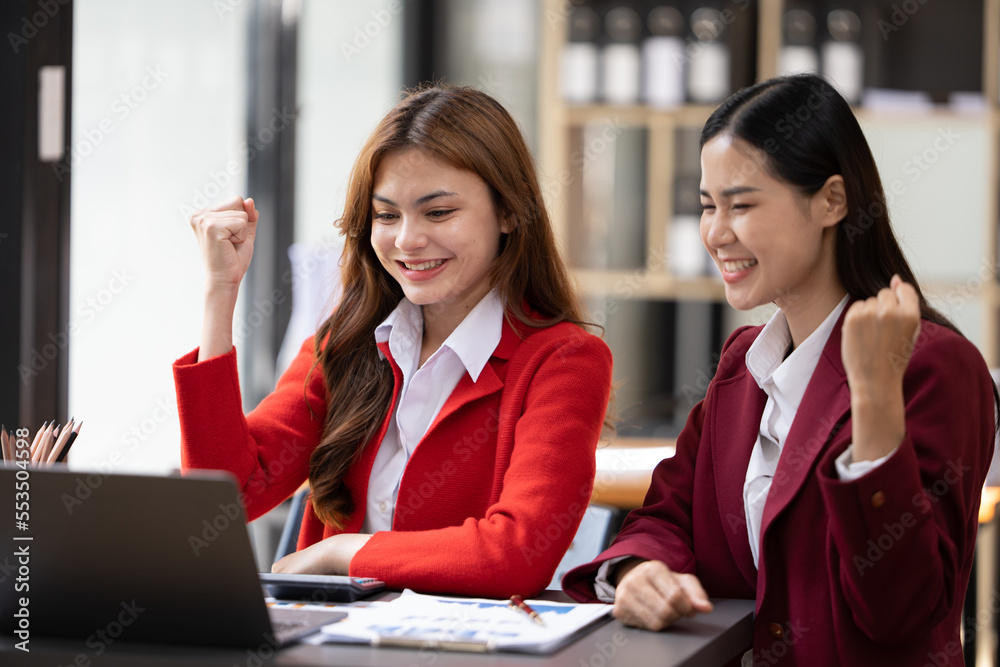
{"type": "Point", "coordinates": [38, 454]}
{"type": "Point", "coordinates": [39, 435]}
{"type": "Point", "coordinates": [52, 454]}
{"type": "Point", "coordinates": [60, 444]}
{"type": "Point", "coordinates": [48, 443]}
{"type": "Point", "coordinates": [69, 442]}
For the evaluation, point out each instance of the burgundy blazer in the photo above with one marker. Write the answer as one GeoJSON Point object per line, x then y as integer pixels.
{"type": "Point", "coordinates": [868, 572]}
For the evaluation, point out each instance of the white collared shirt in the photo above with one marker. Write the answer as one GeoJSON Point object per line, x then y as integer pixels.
{"type": "Point", "coordinates": [424, 391]}
{"type": "Point", "coordinates": [784, 381]}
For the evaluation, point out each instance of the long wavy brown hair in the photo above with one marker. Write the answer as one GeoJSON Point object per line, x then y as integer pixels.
{"type": "Point", "coordinates": [469, 130]}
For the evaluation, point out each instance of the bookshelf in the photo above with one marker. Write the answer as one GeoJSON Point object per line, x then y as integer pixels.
{"type": "Point", "coordinates": [622, 253]}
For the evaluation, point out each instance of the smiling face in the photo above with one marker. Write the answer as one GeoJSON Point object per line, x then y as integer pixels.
{"type": "Point", "coordinates": [435, 230]}
{"type": "Point", "coordinates": [771, 243]}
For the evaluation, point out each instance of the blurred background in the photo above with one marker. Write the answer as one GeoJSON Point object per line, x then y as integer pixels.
{"type": "Point", "coordinates": [171, 107]}
{"type": "Point", "coordinates": [123, 118]}
{"type": "Point", "coordinates": [120, 119]}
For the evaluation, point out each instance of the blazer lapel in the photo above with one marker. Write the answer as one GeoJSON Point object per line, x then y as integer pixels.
{"type": "Point", "coordinates": [467, 391]}
{"type": "Point", "coordinates": [736, 423]}
{"type": "Point", "coordinates": [824, 407]}
{"type": "Point", "coordinates": [358, 475]}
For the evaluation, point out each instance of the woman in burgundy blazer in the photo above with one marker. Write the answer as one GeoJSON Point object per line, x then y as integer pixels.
{"type": "Point", "coordinates": [866, 522]}
{"type": "Point", "coordinates": [489, 469]}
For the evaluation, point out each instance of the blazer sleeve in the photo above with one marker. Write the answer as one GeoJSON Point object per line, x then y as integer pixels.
{"type": "Point", "coordinates": [661, 529]}
{"type": "Point", "coordinates": [545, 488]}
{"type": "Point", "coordinates": [903, 535]}
{"type": "Point", "coordinates": [268, 449]}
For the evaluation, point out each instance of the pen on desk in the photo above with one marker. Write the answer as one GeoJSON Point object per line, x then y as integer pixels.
{"type": "Point", "coordinates": [517, 602]}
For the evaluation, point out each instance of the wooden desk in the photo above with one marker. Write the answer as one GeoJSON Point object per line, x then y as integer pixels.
{"type": "Point", "coordinates": [712, 639]}
{"type": "Point", "coordinates": [624, 470]}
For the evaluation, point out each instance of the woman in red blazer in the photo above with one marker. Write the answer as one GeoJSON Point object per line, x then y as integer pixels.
{"type": "Point", "coordinates": [447, 413]}
{"type": "Point", "coordinates": [833, 471]}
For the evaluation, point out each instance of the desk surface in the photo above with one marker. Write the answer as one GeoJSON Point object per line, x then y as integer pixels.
{"type": "Point", "coordinates": [712, 639]}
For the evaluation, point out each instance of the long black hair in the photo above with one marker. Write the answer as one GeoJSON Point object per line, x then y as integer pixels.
{"type": "Point", "coordinates": [467, 129]}
{"type": "Point", "coordinates": [808, 133]}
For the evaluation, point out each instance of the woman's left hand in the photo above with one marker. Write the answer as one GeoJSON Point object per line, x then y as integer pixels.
{"type": "Point", "coordinates": [877, 340]}
{"type": "Point", "coordinates": [330, 556]}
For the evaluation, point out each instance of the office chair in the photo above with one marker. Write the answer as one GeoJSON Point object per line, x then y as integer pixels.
{"type": "Point", "coordinates": [290, 533]}
{"type": "Point", "coordinates": [599, 526]}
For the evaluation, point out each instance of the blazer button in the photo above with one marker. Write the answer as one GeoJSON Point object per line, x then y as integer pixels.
{"type": "Point", "coordinates": [776, 630]}
{"type": "Point", "coordinates": [878, 499]}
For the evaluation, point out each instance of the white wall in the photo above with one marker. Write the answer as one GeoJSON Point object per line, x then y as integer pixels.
{"type": "Point", "coordinates": [159, 127]}
{"type": "Point", "coordinates": [158, 111]}
{"type": "Point", "coordinates": [350, 73]}
{"type": "Point", "coordinates": [349, 76]}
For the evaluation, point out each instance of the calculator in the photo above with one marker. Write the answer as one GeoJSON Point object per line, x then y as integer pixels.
{"type": "Point", "coordinates": [319, 587]}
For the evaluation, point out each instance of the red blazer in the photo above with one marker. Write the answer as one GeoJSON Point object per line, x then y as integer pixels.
{"type": "Point", "coordinates": [490, 498]}
{"type": "Point", "coordinates": [869, 572]}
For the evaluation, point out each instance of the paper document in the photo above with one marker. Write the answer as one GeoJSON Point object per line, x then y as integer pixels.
{"type": "Point", "coordinates": [465, 624]}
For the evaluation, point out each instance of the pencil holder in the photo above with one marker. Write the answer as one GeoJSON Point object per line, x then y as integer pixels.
{"type": "Point", "coordinates": [48, 447]}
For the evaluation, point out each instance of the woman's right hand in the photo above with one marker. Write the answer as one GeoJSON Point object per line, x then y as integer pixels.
{"type": "Point", "coordinates": [652, 596]}
{"type": "Point", "coordinates": [225, 235]}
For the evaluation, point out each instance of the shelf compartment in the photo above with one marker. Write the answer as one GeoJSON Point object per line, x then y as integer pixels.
{"type": "Point", "coordinates": [646, 284]}
{"type": "Point", "coordinates": [687, 115]}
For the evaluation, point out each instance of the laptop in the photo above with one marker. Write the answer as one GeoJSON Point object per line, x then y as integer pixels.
{"type": "Point", "coordinates": [146, 558]}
